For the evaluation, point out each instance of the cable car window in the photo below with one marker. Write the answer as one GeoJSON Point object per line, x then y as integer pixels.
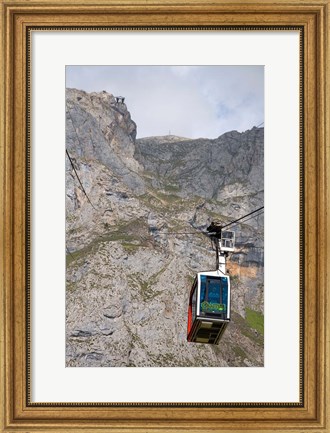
{"type": "Point", "coordinates": [214, 296]}
{"type": "Point", "coordinates": [203, 288]}
{"type": "Point", "coordinates": [224, 284]}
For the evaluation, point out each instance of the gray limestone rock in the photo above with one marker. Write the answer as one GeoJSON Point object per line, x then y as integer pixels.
{"type": "Point", "coordinates": [128, 277]}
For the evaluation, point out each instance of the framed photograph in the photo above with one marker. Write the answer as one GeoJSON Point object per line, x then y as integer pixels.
{"type": "Point", "coordinates": [164, 223]}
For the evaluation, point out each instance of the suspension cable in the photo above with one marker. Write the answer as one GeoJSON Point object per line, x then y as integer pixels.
{"type": "Point", "coordinates": [251, 217]}
{"type": "Point", "coordinates": [74, 169]}
{"type": "Point", "coordinates": [239, 219]}
{"type": "Point", "coordinates": [71, 162]}
{"type": "Point", "coordinates": [201, 232]}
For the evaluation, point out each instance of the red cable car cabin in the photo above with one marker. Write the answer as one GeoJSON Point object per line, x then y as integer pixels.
{"type": "Point", "coordinates": [209, 307]}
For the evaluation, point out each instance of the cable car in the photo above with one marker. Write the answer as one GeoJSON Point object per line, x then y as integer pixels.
{"type": "Point", "coordinates": [209, 301]}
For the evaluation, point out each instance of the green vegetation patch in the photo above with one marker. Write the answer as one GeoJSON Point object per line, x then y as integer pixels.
{"type": "Point", "coordinates": [131, 247]}
{"type": "Point", "coordinates": [255, 320]}
{"type": "Point", "coordinates": [82, 253]}
{"type": "Point", "coordinates": [172, 188]}
{"type": "Point", "coordinates": [131, 235]}
{"type": "Point", "coordinates": [118, 236]}
{"type": "Point", "coordinates": [168, 198]}
{"type": "Point", "coordinates": [247, 330]}
{"type": "Point", "coordinates": [147, 290]}
{"type": "Point", "coordinates": [239, 353]}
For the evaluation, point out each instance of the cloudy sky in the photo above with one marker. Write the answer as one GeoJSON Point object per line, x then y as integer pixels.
{"type": "Point", "coordinates": [188, 101]}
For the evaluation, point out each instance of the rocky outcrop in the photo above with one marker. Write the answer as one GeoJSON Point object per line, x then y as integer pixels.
{"type": "Point", "coordinates": [100, 129]}
{"type": "Point", "coordinates": [233, 161]}
{"type": "Point", "coordinates": [128, 275]}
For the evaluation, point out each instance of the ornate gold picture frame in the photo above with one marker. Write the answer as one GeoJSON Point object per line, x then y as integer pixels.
{"type": "Point", "coordinates": [18, 413]}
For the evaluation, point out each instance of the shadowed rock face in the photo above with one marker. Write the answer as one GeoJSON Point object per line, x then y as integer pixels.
{"type": "Point", "coordinates": [128, 281]}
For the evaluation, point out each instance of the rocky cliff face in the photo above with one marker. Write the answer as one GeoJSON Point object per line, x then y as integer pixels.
{"type": "Point", "coordinates": [128, 275]}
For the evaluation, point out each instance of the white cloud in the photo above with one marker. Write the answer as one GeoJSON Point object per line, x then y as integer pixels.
{"type": "Point", "coordinates": [190, 101]}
